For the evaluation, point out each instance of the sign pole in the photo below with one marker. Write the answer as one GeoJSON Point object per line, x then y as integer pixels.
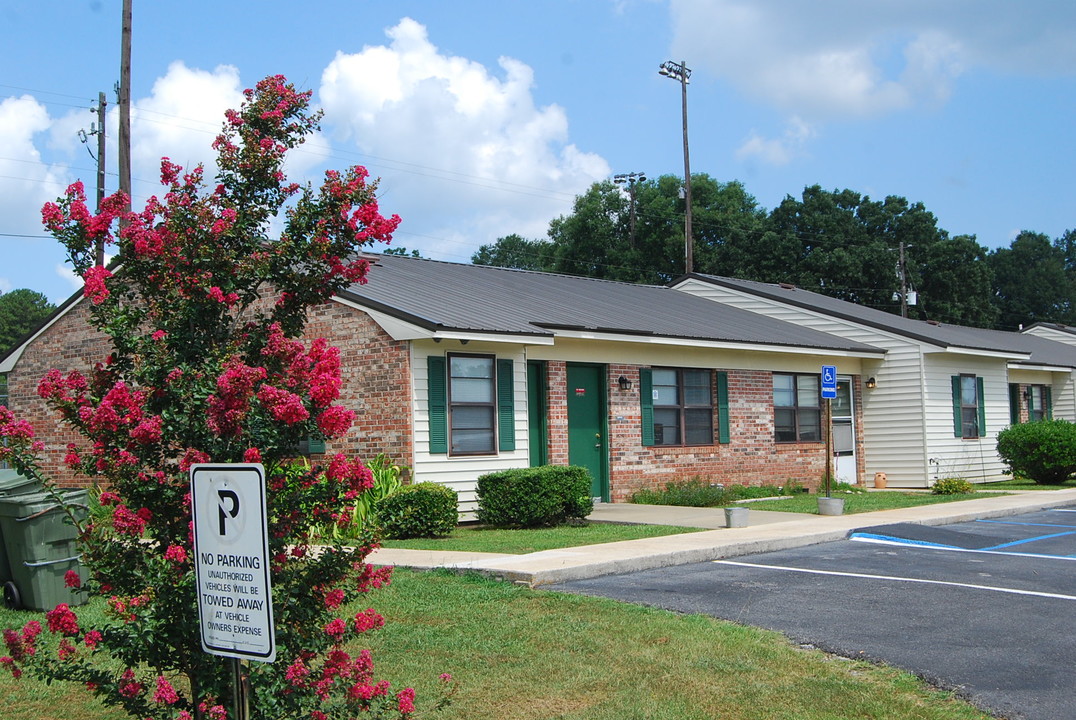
{"type": "Point", "coordinates": [240, 689]}
{"type": "Point", "coordinates": [829, 392]}
{"type": "Point", "coordinates": [829, 446]}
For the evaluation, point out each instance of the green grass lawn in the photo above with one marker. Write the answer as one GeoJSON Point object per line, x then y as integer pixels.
{"type": "Point", "coordinates": [519, 542]}
{"type": "Point", "coordinates": [532, 655]}
{"type": "Point", "coordinates": [1024, 484]}
{"type": "Point", "coordinates": [865, 502]}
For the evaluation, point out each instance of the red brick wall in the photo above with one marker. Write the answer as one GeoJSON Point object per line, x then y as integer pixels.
{"type": "Point", "coordinates": [376, 383]}
{"type": "Point", "coordinates": [752, 457]}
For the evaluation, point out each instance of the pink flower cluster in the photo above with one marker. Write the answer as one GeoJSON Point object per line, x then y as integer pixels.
{"type": "Point", "coordinates": [228, 407]}
{"type": "Point", "coordinates": [74, 221]}
{"type": "Point", "coordinates": [129, 523]}
{"type": "Point", "coordinates": [217, 294]}
{"type": "Point", "coordinates": [62, 620]}
{"type": "Point", "coordinates": [20, 645]}
{"type": "Point", "coordinates": [176, 554]}
{"type": "Point", "coordinates": [94, 284]}
{"type": "Point", "coordinates": [352, 473]}
{"type": "Point", "coordinates": [128, 686]}
{"type": "Point", "coordinates": [368, 620]}
{"type": "Point", "coordinates": [287, 407]}
{"type": "Point", "coordinates": [165, 694]}
{"type": "Point", "coordinates": [16, 434]}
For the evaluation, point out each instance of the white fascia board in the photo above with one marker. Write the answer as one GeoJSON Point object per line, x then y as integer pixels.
{"type": "Point", "coordinates": [1001, 355]}
{"type": "Point", "coordinates": [717, 344]}
{"type": "Point", "coordinates": [1043, 368]}
{"type": "Point", "coordinates": [12, 360]}
{"type": "Point", "coordinates": [399, 329]}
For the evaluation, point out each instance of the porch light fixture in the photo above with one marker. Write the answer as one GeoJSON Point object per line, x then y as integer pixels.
{"type": "Point", "coordinates": [624, 383]}
{"type": "Point", "coordinates": [871, 383]}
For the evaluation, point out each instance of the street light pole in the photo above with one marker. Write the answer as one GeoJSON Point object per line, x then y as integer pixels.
{"type": "Point", "coordinates": [630, 178]}
{"type": "Point", "coordinates": [680, 71]}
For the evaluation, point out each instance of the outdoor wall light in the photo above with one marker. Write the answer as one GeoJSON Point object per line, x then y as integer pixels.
{"type": "Point", "coordinates": [871, 383]}
{"type": "Point", "coordinates": [624, 383]}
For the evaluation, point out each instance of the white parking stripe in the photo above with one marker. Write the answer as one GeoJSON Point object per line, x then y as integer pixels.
{"type": "Point", "coordinates": [947, 548]}
{"type": "Point", "coordinates": [1010, 591]}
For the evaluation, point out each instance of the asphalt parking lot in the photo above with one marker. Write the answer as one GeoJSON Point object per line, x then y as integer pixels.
{"type": "Point", "coordinates": [983, 607]}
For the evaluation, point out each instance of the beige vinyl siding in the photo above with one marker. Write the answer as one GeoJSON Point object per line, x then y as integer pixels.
{"type": "Point", "coordinates": [1054, 334]}
{"type": "Point", "coordinates": [461, 473]}
{"type": "Point", "coordinates": [893, 430]}
{"type": "Point", "coordinates": [975, 460]}
{"type": "Point", "coordinates": [1064, 392]}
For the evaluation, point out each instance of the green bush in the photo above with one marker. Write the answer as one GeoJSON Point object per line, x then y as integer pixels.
{"type": "Point", "coordinates": [700, 493]}
{"type": "Point", "coordinates": [1044, 451]}
{"type": "Point", "coordinates": [952, 486]}
{"type": "Point", "coordinates": [534, 497]}
{"type": "Point", "coordinates": [421, 510]}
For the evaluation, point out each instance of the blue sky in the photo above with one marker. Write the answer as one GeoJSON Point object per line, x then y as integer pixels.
{"type": "Point", "coordinates": [487, 118]}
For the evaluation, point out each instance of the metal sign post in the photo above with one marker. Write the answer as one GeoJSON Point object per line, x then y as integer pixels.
{"type": "Point", "coordinates": [829, 392]}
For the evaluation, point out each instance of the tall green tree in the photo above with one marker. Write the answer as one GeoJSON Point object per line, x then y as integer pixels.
{"type": "Point", "coordinates": [515, 251]}
{"type": "Point", "coordinates": [848, 246]}
{"type": "Point", "coordinates": [599, 238]}
{"type": "Point", "coordinates": [20, 312]}
{"type": "Point", "coordinates": [954, 282]}
{"type": "Point", "coordinates": [1031, 282]}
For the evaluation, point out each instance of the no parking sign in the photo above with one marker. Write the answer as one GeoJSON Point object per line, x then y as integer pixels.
{"type": "Point", "coordinates": [231, 561]}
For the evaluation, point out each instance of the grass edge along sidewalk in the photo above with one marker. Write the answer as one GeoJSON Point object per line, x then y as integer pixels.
{"type": "Point", "coordinates": [530, 655]}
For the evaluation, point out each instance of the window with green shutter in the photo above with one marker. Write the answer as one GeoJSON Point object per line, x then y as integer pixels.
{"type": "Point", "coordinates": [471, 404]}
{"type": "Point", "coordinates": [506, 407]}
{"type": "Point", "coordinates": [1039, 401]}
{"type": "Point", "coordinates": [677, 406]}
{"type": "Point", "coordinates": [438, 404]}
{"type": "Point", "coordinates": [969, 408]}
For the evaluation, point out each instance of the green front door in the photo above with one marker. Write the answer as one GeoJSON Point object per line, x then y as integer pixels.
{"type": "Point", "coordinates": [537, 416]}
{"type": "Point", "coordinates": [587, 444]}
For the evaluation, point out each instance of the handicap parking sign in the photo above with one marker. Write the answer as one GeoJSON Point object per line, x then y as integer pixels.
{"type": "Point", "coordinates": [829, 382]}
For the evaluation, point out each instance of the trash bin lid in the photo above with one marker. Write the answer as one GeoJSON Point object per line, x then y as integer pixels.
{"type": "Point", "coordinates": [12, 483]}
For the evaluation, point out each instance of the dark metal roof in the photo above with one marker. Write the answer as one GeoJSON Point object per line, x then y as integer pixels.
{"type": "Point", "coordinates": [474, 298]}
{"type": "Point", "coordinates": [1041, 350]}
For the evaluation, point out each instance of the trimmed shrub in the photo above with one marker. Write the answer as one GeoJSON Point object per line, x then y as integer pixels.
{"type": "Point", "coordinates": [422, 510]}
{"type": "Point", "coordinates": [700, 493]}
{"type": "Point", "coordinates": [952, 486]}
{"type": "Point", "coordinates": [534, 497]}
{"type": "Point", "coordinates": [1044, 451]}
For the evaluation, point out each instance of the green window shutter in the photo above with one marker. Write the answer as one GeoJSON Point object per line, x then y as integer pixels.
{"type": "Point", "coordinates": [981, 397]}
{"type": "Point", "coordinates": [1049, 392]}
{"type": "Point", "coordinates": [316, 446]}
{"type": "Point", "coordinates": [436, 393]}
{"type": "Point", "coordinates": [506, 407]}
{"type": "Point", "coordinates": [958, 430]}
{"type": "Point", "coordinates": [723, 407]}
{"type": "Point", "coordinates": [646, 405]}
{"type": "Point", "coordinates": [1014, 403]}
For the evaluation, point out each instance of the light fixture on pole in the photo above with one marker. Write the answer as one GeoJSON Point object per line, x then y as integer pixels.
{"type": "Point", "coordinates": [680, 71]}
{"type": "Point", "coordinates": [630, 178]}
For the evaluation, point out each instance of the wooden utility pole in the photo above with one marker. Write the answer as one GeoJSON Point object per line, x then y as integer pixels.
{"type": "Point", "coordinates": [101, 105]}
{"type": "Point", "coordinates": [125, 103]}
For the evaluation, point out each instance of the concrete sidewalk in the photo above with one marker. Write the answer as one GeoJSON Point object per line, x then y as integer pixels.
{"type": "Point", "coordinates": [766, 531]}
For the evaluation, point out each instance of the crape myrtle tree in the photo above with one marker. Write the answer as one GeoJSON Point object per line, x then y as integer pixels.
{"type": "Point", "coordinates": [204, 311]}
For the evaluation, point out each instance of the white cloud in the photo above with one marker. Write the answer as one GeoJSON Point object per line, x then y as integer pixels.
{"type": "Point", "coordinates": [847, 58]}
{"type": "Point", "coordinates": [470, 150]}
{"type": "Point", "coordinates": [26, 182]}
{"type": "Point", "coordinates": [179, 120]}
{"type": "Point", "coordinates": [778, 151]}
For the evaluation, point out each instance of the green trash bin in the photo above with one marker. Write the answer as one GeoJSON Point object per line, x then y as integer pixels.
{"type": "Point", "coordinates": [12, 483]}
{"type": "Point", "coordinates": [41, 548]}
